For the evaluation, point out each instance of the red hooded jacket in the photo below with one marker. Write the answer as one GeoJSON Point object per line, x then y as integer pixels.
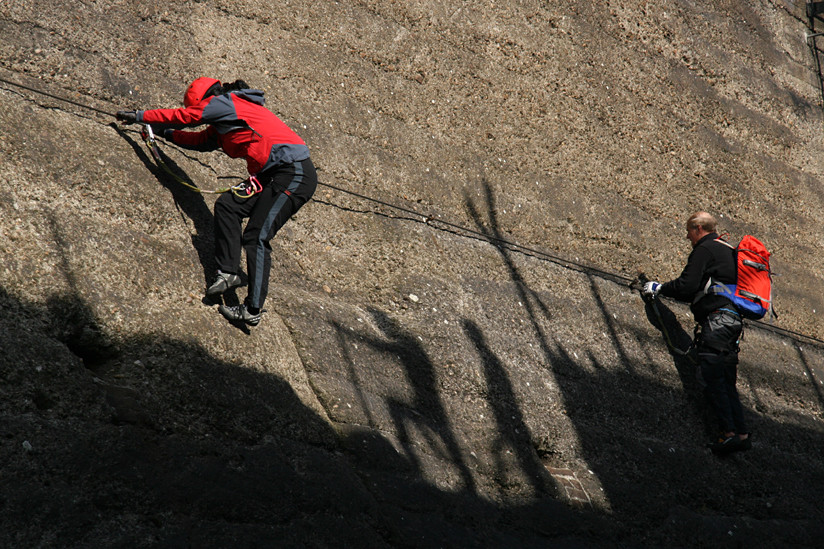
{"type": "Point", "coordinates": [238, 123]}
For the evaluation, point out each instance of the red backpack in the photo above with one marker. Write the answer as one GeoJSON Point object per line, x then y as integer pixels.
{"type": "Point", "coordinates": [752, 291]}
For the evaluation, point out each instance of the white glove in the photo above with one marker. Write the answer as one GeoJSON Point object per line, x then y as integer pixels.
{"type": "Point", "coordinates": [651, 289]}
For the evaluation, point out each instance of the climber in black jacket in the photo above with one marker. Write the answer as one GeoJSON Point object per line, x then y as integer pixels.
{"type": "Point", "coordinates": [712, 261]}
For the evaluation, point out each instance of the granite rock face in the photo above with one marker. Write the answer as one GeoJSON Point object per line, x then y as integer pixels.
{"type": "Point", "coordinates": [451, 354]}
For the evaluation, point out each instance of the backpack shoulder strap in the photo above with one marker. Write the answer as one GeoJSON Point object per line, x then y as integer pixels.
{"type": "Point", "coordinates": [715, 288]}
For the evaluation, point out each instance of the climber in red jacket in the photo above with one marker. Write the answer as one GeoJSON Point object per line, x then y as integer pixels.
{"type": "Point", "coordinates": [276, 158]}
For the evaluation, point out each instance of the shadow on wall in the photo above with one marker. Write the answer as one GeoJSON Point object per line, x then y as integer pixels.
{"type": "Point", "coordinates": [512, 430]}
{"type": "Point", "coordinates": [154, 442]}
{"type": "Point", "coordinates": [189, 203]}
{"type": "Point", "coordinates": [685, 360]}
{"type": "Point", "coordinates": [157, 443]}
{"type": "Point", "coordinates": [640, 436]}
{"type": "Point", "coordinates": [425, 411]}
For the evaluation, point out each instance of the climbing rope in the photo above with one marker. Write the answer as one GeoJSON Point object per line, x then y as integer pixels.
{"type": "Point", "coordinates": [433, 221]}
{"type": "Point", "coordinates": [47, 94]}
{"type": "Point", "coordinates": [244, 189]}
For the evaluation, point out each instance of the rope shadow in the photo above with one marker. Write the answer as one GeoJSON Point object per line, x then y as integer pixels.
{"type": "Point", "coordinates": [507, 414]}
{"type": "Point", "coordinates": [494, 236]}
{"type": "Point", "coordinates": [512, 432]}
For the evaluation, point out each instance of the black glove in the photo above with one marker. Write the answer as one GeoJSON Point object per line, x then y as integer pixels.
{"type": "Point", "coordinates": [167, 134]}
{"type": "Point", "coordinates": [127, 117]}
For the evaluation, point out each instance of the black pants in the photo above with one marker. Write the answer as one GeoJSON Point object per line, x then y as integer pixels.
{"type": "Point", "coordinates": [285, 189]}
{"type": "Point", "coordinates": [718, 361]}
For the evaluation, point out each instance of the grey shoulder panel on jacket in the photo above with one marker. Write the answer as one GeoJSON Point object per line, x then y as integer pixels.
{"type": "Point", "coordinates": [252, 95]}
{"type": "Point", "coordinates": [221, 113]}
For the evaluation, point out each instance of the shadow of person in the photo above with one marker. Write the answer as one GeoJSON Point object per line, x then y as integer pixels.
{"type": "Point", "coordinates": [425, 411]}
{"type": "Point", "coordinates": [684, 356]}
{"type": "Point", "coordinates": [188, 202]}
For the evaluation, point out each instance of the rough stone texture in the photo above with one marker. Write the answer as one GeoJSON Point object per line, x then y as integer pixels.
{"type": "Point", "coordinates": [416, 381]}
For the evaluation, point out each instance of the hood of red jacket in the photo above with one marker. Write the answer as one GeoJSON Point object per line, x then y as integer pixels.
{"type": "Point", "coordinates": [197, 89]}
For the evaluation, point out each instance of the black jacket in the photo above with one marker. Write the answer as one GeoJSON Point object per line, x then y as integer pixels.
{"type": "Point", "coordinates": [708, 259]}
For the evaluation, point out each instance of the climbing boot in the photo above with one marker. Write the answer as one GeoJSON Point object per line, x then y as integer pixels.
{"type": "Point", "coordinates": [223, 283]}
{"type": "Point", "coordinates": [726, 445]}
{"type": "Point", "coordinates": [239, 313]}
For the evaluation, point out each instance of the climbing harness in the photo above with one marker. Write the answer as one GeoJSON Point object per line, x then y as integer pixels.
{"type": "Point", "coordinates": [244, 189]}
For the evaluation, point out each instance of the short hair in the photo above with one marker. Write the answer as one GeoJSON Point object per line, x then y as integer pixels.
{"type": "Point", "coordinates": [235, 86]}
{"type": "Point", "coordinates": [221, 89]}
{"type": "Point", "coordinates": [702, 220]}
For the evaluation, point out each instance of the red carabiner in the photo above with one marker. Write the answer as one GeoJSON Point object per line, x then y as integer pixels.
{"type": "Point", "coordinates": [248, 188]}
